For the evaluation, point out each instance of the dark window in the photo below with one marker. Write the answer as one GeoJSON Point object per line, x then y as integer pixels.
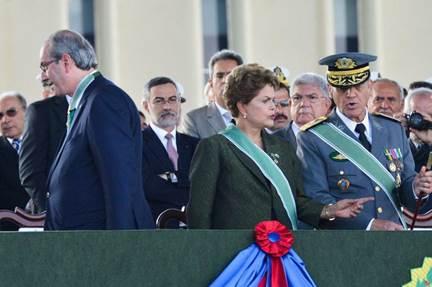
{"type": "Point", "coordinates": [214, 19]}
{"type": "Point", "coordinates": [346, 25]}
{"type": "Point", "coordinates": [81, 15]}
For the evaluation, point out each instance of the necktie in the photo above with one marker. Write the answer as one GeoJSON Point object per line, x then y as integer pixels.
{"type": "Point", "coordinates": [172, 153]}
{"type": "Point", "coordinates": [360, 128]}
{"type": "Point", "coordinates": [16, 144]}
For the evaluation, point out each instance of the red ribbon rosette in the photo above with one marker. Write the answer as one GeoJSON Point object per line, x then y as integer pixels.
{"type": "Point", "coordinates": [273, 238]}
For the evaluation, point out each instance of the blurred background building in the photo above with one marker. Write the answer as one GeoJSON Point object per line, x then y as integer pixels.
{"type": "Point", "coordinates": [138, 39]}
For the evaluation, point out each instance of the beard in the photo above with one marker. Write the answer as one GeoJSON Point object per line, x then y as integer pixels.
{"type": "Point", "coordinates": [167, 119]}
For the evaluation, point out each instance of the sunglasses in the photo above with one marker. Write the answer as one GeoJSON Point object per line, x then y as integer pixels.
{"type": "Point", "coordinates": [10, 113]}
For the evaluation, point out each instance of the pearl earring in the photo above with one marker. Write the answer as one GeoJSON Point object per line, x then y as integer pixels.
{"type": "Point", "coordinates": [245, 116]}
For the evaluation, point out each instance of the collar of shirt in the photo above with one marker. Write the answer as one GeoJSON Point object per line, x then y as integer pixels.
{"type": "Point", "coordinates": [161, 133]}
{"type": "Point", "coordinates": [10, 140]}
{"type": "Point", "coordinates": [352, 124]}
{"type": "Point", "coordinates": [226, 115]}
{"type": "Point", "coordinates": [68, 99]}
{"type": "Point", "coordinates": [295, 128]}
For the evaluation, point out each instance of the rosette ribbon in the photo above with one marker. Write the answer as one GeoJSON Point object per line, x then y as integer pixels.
{"type": "Point", "coordinates": [269, 262]}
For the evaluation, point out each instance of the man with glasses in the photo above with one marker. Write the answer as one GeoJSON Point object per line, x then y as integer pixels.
{"type": "Point", "coordinates": [95, 181]}
{"type": "Point", "coordinates": [353, 154]}
{"type": "Point", "coordinates": [281, 101]}
{"type": "Point", "coordinates": [214, 117]}
{"type": "Point", "coordinates": [310, 100]}
{"type": "Point", "coordinates": [166, 152]}
{"type": "Point", "coordinates": [12, 112]}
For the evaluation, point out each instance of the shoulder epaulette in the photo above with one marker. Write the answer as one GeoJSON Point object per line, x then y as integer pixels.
{"type": "Point", "coordinates": [313, 123]}
{"type": "Point", "coordinates": [381, 115]}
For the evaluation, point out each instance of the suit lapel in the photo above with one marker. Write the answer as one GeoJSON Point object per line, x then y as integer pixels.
{"type": "Point", "coordinates": [77, 117]}
{"type": "Point", "coordinates": [214, 118]}
{"type": "Point", "coordinates": [334, 119]}
{"type": "Point", "coordinates": [249, 164]}
{"type": "Point", "coordinates": [183, 149]}
{"type": "Point", "coordinates": [378, 140]}
{"type": "Point", "coordinates": [154, 147]}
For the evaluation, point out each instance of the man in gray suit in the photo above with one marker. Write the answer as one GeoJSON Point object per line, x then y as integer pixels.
{"type": "Point", "coordinates": [310, 99]}
{"type": "Point", "coordinates": [353, 154]}
{"type": "Point", "coordinates": [214, 117]}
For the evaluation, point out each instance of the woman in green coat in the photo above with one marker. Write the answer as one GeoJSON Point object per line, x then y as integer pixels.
{"type": "Point", "coordinates": [244, 175]}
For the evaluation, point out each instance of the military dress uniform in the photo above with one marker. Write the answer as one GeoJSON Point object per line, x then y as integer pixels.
{"type": "Point", "coordinates": [330, 173]}
{"type": "Point", "coordinates": [329, 176]}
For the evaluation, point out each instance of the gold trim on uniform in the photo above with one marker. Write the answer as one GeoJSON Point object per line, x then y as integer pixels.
{"type": "Point", "coordinates": [312, 123]}
{"type": "Point", "coordinates": [347, 80]}
{"type": "Point", "coordinates": [345, 63]}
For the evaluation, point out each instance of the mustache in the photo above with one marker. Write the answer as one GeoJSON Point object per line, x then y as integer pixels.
{"type": "Point", "coordinates": [280, 116]}
{"type": "Point", "coordinates": [168, 113]}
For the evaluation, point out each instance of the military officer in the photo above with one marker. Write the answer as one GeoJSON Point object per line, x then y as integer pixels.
{"type": "Point", "coordinates": [352, 153]}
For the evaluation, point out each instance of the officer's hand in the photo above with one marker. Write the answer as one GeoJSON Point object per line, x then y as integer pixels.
{"type": "Point", "coordinates": [424, 135]}
{"type": "Point", "coordinates": [423, 182]}
{"type": "Point", "coordinates": [381, 224]}
{"type": "Point", "coordinates": [347, 208]}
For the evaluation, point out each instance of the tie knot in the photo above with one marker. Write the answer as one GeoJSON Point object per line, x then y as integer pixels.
{"type": "Point", "coordinates": [168, 136]}
{"type": "Point", "coordinates": [360, 128]}
{"type": "Point", "coordinates": [16, 143]}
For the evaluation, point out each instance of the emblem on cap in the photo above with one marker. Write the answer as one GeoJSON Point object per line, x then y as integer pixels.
{"type": "Point", "coordinates": [345, 63]}
{"type": "Point", "coordinates": [281, 74]}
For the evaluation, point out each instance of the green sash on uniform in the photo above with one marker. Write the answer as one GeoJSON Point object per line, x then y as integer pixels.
{"type": "Point", "coordinates": [360, 157]}
{"type": "Point", "coordinates": [267, 166]}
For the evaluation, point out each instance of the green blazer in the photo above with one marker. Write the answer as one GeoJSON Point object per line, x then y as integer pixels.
{"type": "Point", "coordinates": [228, 191]}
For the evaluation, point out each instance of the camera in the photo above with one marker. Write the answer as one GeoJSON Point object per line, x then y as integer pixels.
{"type": "Point", "coordinates": [416, 121]}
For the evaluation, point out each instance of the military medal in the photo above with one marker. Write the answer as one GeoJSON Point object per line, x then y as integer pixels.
{"type": "Point", "coordinates": [395, 165]}
{"type": "Point", "coordinates": [343, 184]}
{"type": "Point", "coordinates": [398, 180]}
{"type": "Point", "coordinates": [392, 166]}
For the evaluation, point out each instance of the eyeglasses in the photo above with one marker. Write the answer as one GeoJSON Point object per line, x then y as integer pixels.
{"type": "Point", "coordinates": [312, 98]}
{"type": "Point", "coordinates": [282, 104]}
{"type": "Point", "coordinates": [44, 65]}
{"type": "Point", "coordinates": [10, 113]}
{"type": "Point", "coordinates": [161, 101]}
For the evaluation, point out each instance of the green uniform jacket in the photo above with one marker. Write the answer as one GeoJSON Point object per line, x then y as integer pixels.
{"type": "Point", "coordinates": [228, 191]}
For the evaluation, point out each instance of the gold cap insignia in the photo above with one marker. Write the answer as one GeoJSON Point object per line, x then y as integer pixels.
{"type": "Point", "coordinates": [280, 76]}
{"type": "Point", "coordinates": [345, 63]}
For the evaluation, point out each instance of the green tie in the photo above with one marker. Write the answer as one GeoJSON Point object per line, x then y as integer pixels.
{"type": "Point", "coordinates": [71, 113]}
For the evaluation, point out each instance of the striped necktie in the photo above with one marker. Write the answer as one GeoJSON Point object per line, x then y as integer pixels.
{"type": "Point", "coordinates": [16, 144]}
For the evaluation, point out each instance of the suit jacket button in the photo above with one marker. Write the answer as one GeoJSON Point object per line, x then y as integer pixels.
{"type": "Point", "coordinates": [377, 188]}
{"type": "Point", "coordinates": [379, 209]}
{"type": "Point", "coordinates": [48, 195]}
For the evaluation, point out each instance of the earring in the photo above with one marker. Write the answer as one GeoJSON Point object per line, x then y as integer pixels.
{"type": "Point", "coordinates": [245, 116]}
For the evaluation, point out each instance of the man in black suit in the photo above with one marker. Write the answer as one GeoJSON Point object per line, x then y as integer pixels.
{"type": "Point", "coordinates": [12, 194]}
{"type": "Point", "coordinates": [166, 153]}
{"type": "Point", "coordinates": [45, 127]}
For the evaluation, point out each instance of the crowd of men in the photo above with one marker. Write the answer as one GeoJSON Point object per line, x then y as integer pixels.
{"type": "Point", "coordinates": [88, 158]}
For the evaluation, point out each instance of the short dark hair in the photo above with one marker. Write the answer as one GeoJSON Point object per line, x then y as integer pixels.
{"type": "Point", "coordinates": [157, 81]}
{"type": "Point", "coordinates": [245, 82]}
{"type": "Point", "coordinates": [223, 55]}
{"type": "Point", "coordinates": [419, 84]}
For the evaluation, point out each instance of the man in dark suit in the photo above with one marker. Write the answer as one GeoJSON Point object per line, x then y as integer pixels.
{"type": "Point", "coordinates": [95, 181]}
{"type": "Point", "coordinates": [45, 127]}
{"type": "Point", "coordinates": [214, 117]}
{"type": "Point", "coordinates": [309, 100]}
{"type": "Point", "coordinates": [12, 194]}
{"type": "Point", "coordinates": [165, 161]}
